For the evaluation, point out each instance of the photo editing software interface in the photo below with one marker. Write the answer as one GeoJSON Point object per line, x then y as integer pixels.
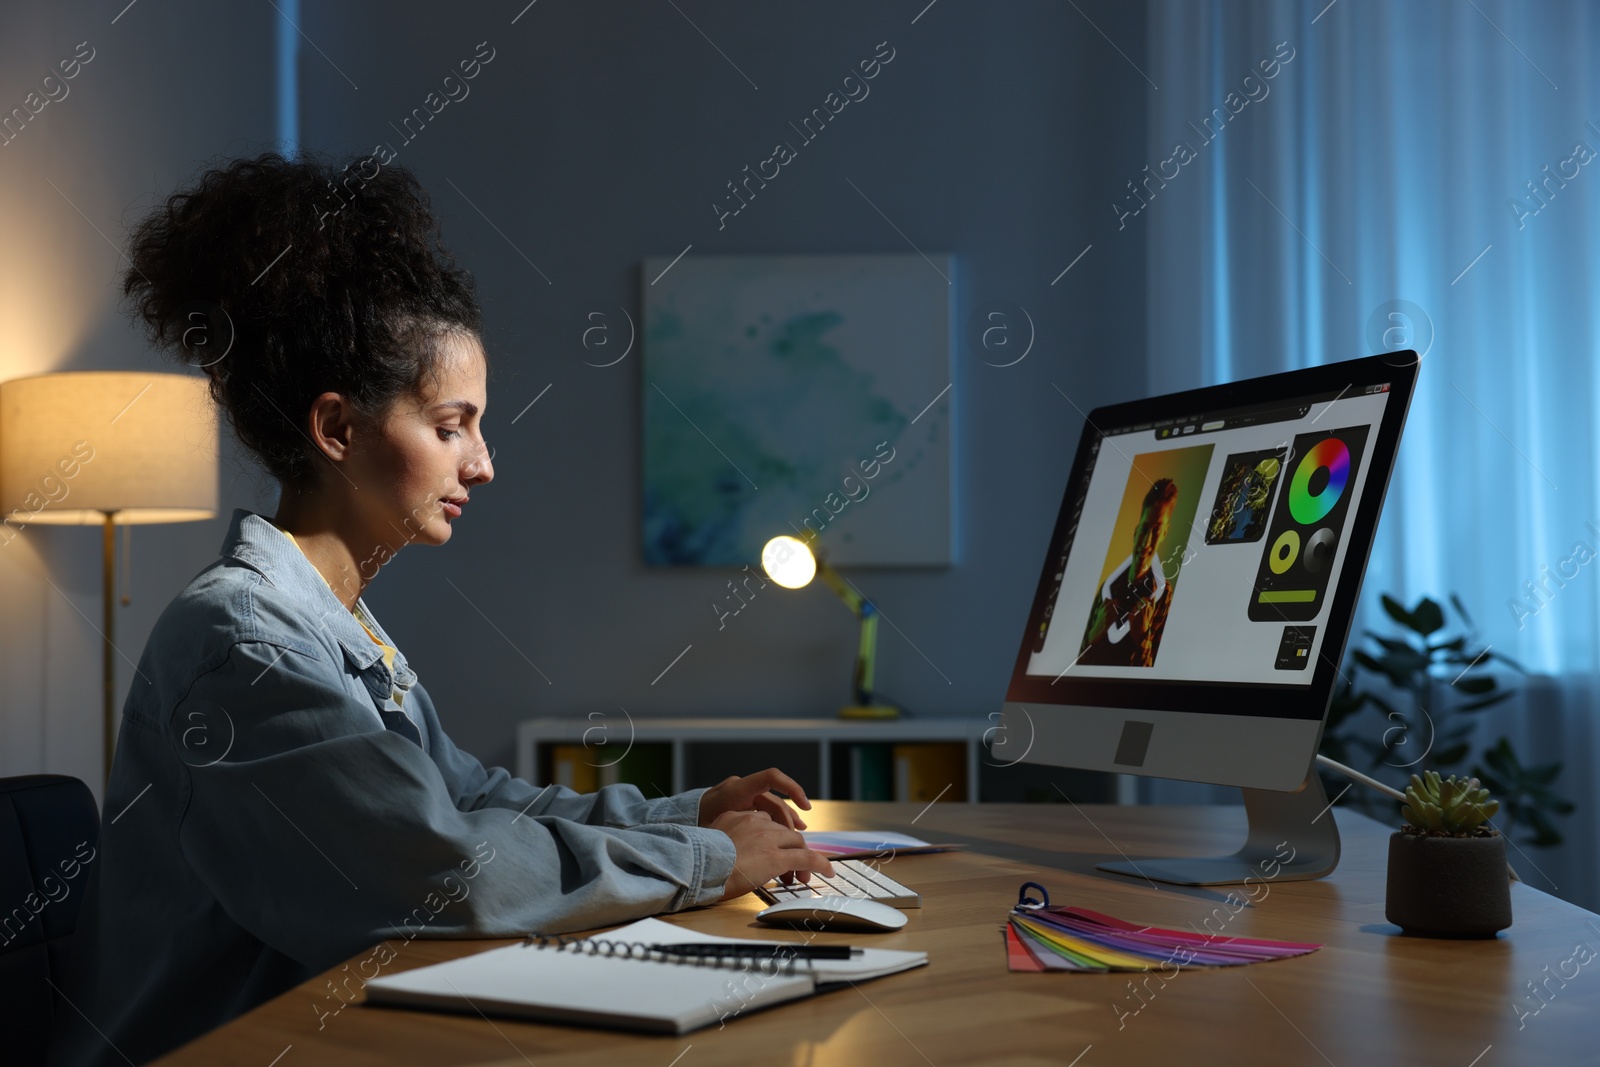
{"type": "Point", "coordinates": [1208, 548]}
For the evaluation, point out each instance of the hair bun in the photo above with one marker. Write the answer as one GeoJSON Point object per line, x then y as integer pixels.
{"type": "Point", "coordinates": [284, 279]}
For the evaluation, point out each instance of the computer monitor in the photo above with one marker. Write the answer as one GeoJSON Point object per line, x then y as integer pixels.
{"type": "Point", "coordinates": [1197, 596]}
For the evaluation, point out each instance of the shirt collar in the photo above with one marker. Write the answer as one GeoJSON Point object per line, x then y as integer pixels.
{"type": "Point", "coordinates": [253, 540]}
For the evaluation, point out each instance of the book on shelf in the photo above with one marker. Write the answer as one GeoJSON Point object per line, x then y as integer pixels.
{"type": "Point", "coordinates": [586, 768]}
{"type": "Point", "coordinates": [573, 766]}
{"type": "Point", "coordinates": [646, 765]}
{"type": "Point", "coordinates": [871, 771]}
{"type": "Point", "coordinates": [930, 771]}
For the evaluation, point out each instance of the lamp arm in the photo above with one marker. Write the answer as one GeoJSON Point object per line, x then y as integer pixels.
{"type": "Point", "coordinates": [852, 599]}
{"type": "Point", "coordinates": [867, 654]}
{"type": "Point", "coordinates": [867, 651]}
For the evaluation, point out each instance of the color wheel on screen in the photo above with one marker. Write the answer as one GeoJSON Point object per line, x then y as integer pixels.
{"type": "Point", "coordinates": [1307, 507]}
{"type": "Point", "coordinates": [1303, 537]}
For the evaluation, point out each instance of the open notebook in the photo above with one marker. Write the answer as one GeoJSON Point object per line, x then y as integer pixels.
{"type": "Point", "coordinates": [641, 991]}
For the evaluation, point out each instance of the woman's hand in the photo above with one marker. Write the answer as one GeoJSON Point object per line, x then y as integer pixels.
{"type": "Point", "coordinates": [765, 850]}
{"type": "Point", "coordinates": [752, 793]}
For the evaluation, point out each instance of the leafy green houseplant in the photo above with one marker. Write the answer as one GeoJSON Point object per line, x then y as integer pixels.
{"type": "Point", "coordinates": [1529, 798]}
{"type": "Point", "coordinates": [1447, 866]}
{"type": "Point", "coordinates": [1428, 683]}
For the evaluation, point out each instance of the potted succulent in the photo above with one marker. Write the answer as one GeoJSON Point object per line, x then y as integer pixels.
{"type": "Point", "coordinates": [1447, 870]}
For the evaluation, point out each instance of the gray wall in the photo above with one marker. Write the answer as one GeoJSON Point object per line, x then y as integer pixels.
{"type": "Point", "coordinates": [999, 133]}
{"type": "Point", "coordinates": [168, 87]}
{"type": "Point", "coordinates": [599, 134]}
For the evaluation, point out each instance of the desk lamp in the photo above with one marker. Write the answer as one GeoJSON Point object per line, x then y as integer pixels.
{"type": "Point", "coordinates": [110, 448]}
{"type": "Point", "coordinates": [790, 563]}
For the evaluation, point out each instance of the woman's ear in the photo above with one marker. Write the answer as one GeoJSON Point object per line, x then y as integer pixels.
{"type": "Point", "coordinates": [332, 425]}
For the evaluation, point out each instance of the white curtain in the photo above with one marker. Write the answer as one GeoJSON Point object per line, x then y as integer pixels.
{"type": "Point", "coordinates": [1419, 175]}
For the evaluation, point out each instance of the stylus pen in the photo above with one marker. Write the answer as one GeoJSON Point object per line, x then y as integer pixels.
{"type": "Point", "coordinates": [801, 952]}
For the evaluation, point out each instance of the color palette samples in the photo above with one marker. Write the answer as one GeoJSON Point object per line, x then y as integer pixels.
{"type": "Point", "coordinates": [1077, 939]}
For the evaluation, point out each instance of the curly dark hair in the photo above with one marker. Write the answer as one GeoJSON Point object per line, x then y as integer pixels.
{"type": "Point", "coordinates": [284, 279]}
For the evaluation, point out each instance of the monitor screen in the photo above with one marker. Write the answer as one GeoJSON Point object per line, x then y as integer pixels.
{"type": "Point", "coordinates": [1204, 542]}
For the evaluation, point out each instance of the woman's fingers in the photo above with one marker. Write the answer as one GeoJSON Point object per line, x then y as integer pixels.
{"type": "Point", "coordinates": [779, 810]}
{"type": "Point", "coordinates": [772, 778]}
{"type": "Point", "coordinates": [781, 836]}
{"type": "Point", "coordinates": [813, 862]}
{"type": "Point", "coordinates": [767, 850]}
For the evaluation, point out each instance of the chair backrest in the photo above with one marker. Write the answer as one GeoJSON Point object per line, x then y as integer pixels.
{"type": "Point", "coordinates": [49, 837]}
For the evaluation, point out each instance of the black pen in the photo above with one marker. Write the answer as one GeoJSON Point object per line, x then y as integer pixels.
{"type": "Point", "coordinates": [801, 952]}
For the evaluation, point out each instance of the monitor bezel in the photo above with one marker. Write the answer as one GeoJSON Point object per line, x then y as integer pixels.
{"type": "Point", "coordinates": [1288, 701]}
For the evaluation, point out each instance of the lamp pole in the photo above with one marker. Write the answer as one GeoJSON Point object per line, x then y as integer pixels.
{"type": "Point", "coordinates": [108, 542]}
{"type": "Point", "coordinates": [134, 446]}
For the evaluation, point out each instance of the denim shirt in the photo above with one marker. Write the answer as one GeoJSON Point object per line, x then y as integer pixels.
{"type": "Point", "coordinates": [262, 824]}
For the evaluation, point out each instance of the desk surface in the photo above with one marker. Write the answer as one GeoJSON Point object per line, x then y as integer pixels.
{"type": "Point", "coordinates": [1369, 996]}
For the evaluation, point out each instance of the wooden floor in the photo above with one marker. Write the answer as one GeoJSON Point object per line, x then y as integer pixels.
{"type": "Point", "coordinates": [1370, 998]}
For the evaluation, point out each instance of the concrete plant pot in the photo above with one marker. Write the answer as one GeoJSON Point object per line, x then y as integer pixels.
{"type": "Point", "coordinates": [1442, 886]}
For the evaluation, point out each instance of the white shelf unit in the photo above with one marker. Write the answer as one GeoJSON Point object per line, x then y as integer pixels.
{"type": "Point", "coordinates": [825, 733]}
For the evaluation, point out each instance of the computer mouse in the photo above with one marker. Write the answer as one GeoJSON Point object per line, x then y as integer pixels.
{"type": "Point", "coordinates": [834, 913]}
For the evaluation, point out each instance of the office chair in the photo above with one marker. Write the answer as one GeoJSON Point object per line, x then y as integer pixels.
{"type": "Point", "coordinates": [48, 825]}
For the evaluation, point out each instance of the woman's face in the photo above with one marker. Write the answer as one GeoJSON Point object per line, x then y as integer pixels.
{"type": "Point", "coordinates": [430, 451]}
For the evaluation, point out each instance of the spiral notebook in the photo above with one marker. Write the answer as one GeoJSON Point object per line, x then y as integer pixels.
{"type": "Point", "coordinates": [613, 980]}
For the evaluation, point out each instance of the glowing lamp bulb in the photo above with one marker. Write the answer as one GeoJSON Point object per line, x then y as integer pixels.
{"type": "Point", "coordinates": [788, 562]}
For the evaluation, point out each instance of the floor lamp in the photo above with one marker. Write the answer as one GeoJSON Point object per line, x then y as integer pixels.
{"type": "Point", "coordinates": [106, 448]}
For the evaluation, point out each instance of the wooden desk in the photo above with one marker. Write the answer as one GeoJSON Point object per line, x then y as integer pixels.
{"type": "Point", "coordinates": [1369, 997]}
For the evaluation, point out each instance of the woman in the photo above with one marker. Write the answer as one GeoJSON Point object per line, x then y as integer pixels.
{"type": "Point", "coordinates": [283, 795]}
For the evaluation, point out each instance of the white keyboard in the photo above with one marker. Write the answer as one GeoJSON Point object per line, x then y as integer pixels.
{"type": "Point", "coordinates": [851, 878]}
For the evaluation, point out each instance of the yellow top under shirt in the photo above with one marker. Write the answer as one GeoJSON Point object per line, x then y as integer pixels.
{"type": "Point", "coordinates": [388, 650]}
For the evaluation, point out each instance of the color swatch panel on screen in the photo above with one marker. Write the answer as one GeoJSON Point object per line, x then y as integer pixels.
{"type": "Point", "coordinates": [1307, 526]}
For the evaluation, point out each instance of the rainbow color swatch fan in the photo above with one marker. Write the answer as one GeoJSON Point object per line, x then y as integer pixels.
{"type": "Point", "coordinates": [1042, 938]}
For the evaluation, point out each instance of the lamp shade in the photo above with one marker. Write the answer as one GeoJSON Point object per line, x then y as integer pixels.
{"type": "Point", "coordinates": [79, 444]}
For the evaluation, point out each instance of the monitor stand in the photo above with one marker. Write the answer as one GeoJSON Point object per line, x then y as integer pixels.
{"type": "Point", "coordinates": [1292, 837]}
